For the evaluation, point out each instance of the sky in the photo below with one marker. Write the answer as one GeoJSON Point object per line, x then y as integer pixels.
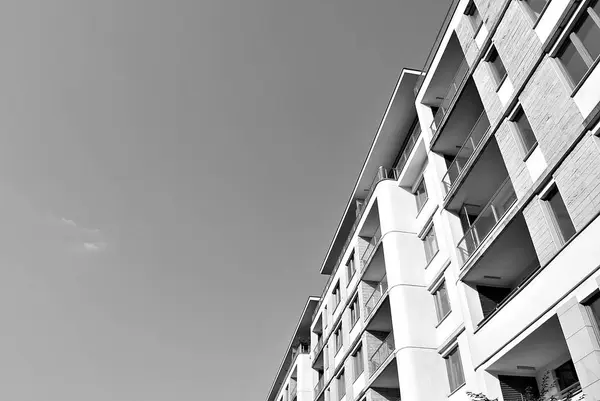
{"type": "Point", "coordinates": [171, 175]}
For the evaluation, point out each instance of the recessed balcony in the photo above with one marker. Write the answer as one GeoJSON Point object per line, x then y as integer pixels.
{"type": "Point", "coordinates": [485, 219]}
{"type": "Point", "coordinates": [544, 353]}
{"type": "Point", "coordinates": [382, 353]}
{"type": "Point", "coordinates": [466, 151]}
{"type": "Point", "coordinates": [505, 267]}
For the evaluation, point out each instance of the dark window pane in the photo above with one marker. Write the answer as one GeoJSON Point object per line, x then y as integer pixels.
{"type": "Point", "coordinates": [442, 304]}
{"type": "Point", "coordinates": [594, 305]}
{"type": "Point", "coordinates": [421, 195]}
{"type": "Point", "coordinates": [561, 215]}
{"type": "Point", "coordinates": [525, 131]}
{"type": "Point", "coordinates": [565, 375]}
{"type": "Point", "coordinates": [589, 34]}
{"type": "Point", "coordinates": [537, 6]}
{"type": "Point", "coordinates": [573, 62]}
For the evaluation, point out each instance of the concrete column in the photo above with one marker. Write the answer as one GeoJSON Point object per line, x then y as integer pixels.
{"type": "Point", "coordinates": [583, 345]}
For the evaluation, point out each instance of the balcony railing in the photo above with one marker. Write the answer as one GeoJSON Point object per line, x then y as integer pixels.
{"type": "Point", "coordinates": [293, 390]}
{"type": "Point", "coordinates": [408, 147]}
{"type": "Point", "coordinates": [373, 300]}
{"type": "Point", "coordinates": [490, 215]}
{"type": "Point", "coordinates": [382, 353]}
{"type": "Point", "coordinates": [319, 385]}
{"type": "Point", "coordinates": [466, 151]}
{"type": "Point", "coordinates": [317, 348]}
{"type": "Point", "coordinates": [370, 248]}
{"type": "Point", "coordinates": [452, 92]}
{"type": "Point", "coordinates": [571, 393]}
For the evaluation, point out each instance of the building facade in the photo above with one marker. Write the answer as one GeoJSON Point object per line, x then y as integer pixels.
{"type": "Point", "coordinates": [467, 258]}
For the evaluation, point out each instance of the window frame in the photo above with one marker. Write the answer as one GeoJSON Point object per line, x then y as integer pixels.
{"type": "Point", "coordinates": [354, 309]}
{"type": "Point", "coordinates": [514, 115]}
{"type": "Point", "coordinates": [338, 339]}
{"type": "Point", "coordinates": [470, 13]}
{"type": "Point", "coordinates": [351, 267]}
{"type": "Point", "coordinates": [549, 192]}
{"type": "Point", "coordinates": [429, 253]}
{"type": "Point", "coordinates": [341, 384]}
{"type": "Point", "coordinates": [535, 17]}
{"type": "Point", "coordinates": [419, 199]}
{"type": "Point", "coordinates": [583, 11]}
{"type": "Point", "coordinates": [492, 53]}
{"type": "Point", "coordinates": [452, 375]}
{"type": "Point", "coordinates": [358, 362]}
{"type": "Point", "coordinates": [438, 303]}
{"type": "Point", "coordinates": [336, 295]}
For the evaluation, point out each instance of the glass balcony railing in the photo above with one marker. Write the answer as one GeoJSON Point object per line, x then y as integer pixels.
{"type": "Point", "coordinates": [319, 385]}
{"type": "Point", "coordinates": [293, 390]}
{"type": "Point", "coordinates": [370, 248]}
{"type": "Point", "coordinates": [382, 353]}
{"type": "Point", "coordinates": [466, 151]}
{"type": "Point", "coordinates": [571, 393]}
{"type": "Point", "coordinates": [317, 348]}
{"type": "Point", "coordinates": [373, 300]}
{"type": "Point", "coordinates": [451, 93]}
{"type": "Point", "coordinates": [408, 147]}
{"type": "Point", "coordinates": [490, 215]}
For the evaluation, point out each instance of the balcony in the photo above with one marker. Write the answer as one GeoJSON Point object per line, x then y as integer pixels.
{"type": "Point", "coordinates": [318, 348]}
{"type": "Point", "coordinates": [382, 353]}
{"type": "Point", "coordinates": [486, 220]}
{"type": "Point", "coordinates": [543, 353]}
{"type": "Point", "coordinates": [370, 249]}
{"type": "Point", "coordinates": [450, 95]}
{"type": "Point", "coordinates": [378, 292]}
{"type": "Point", "coordinates": [408, 147]}
{"type": "Point", "coordinates": [293, 390]}
{"type": "Point", "coordinates": [383, 174]}
{"type": "Point", "coordinates": [462, 158]}
{"type": "Point", "coordinates": [319, 386]}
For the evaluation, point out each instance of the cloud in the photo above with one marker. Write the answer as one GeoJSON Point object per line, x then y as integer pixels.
{"type": "Point", "coordinates": [94, 246]}
{"type": "Point", "coordinates": [68, 222]}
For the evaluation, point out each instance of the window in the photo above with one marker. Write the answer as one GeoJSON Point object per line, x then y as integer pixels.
{"type": "Point", "coordinates": [341, 385]}
{"type": "Point", "coordinates": [493, 58]}
{"type": "Point", "coordinates": [560, 215]}
{"type": "Point", "coordinates": [350, 267]}
{"type": "Point", "coordinates": [594, 307]}
{"type": "Point", "coordinates": [536, 7]}
{"type": "Point", "coordinates": [430, 244]}
{"type": "Point", "coordinates": [442, 303]}
{"type": "Point", "coordinates": [336, 296]}
{"type": "Point", "coordinates": [455, 370]}
{"type": "Point", "coordinates": [475, 17]}
{"type": "Point", "coordinates": [338, 339]}
{"type": "Point", "coordinates": [354, 312]}
{"type": "Point", "coordinates": [421, 195]}
{"type": "Point", "coordinates": [582, 47]}
{"type": "Point", "coordinates": [565, 375]}
{"type": "Point", "coordinates": [358, 362]}
{"type": "Point", "coordinates": [524, 130]}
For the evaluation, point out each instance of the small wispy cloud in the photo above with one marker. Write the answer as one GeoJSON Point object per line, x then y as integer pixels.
{"type": "Point", "coordinates": [94, 246]}
{"type": "Point", "coordinates": [83, 238]}
{"type": "Point", "coordinates": [68, 222]}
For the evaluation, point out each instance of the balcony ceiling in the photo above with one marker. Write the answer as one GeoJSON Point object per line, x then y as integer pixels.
{"type": "Point", "coordinates": [393, 130]}
{"type": "Point", "coordinates": [539, 349]}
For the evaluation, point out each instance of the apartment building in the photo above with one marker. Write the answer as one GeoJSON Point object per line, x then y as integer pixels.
{"type": "Point", "coordinates": [467, 257]}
